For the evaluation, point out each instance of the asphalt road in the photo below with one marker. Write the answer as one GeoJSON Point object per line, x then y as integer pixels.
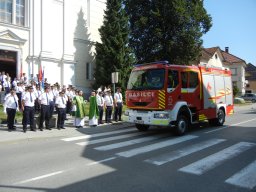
{"type": "Point", "coordinates": [115, 158]}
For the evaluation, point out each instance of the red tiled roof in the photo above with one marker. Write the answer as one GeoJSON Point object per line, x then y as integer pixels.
{"type": "Point", "coordinates": [231, 58]}
{"type": "Point", "coordinates": [212, 50]}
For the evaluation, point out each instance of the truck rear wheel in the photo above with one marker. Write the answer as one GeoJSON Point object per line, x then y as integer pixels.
{"type": "Point", "coordinates": [141, 127]}
{"type": "Point", "coordinates": [182, 125]}
{"type": "Point", "coordinates": [219, 121]}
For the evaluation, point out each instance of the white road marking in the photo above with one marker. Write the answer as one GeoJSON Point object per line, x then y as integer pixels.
{"type": "Point", "coordinates": [127, 143]}
{"type": "Point", "coordinates": [96, 135]}
{"type": "Point", "coordinates": [109, 139]}
{"type": "Point", "coordinates": [183, 152]}
{"type": "Point", "coordinates": [217, 129]}
{"type": "Point", "coordinates": [101, 161]}
{"type": "Point", "coordinates": [212, 161]}
{"type": "Point", "coordinates": [155, 146]}
{"type": "Point", "coordinates": [246, 178]}
{"type": "Point", "coordinates": [40, 177]}
{"type": "Point", "coordinates": [230, 125]}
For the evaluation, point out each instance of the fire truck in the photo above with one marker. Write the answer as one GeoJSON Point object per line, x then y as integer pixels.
{"type": "Point", "coordinates": [168, 95]}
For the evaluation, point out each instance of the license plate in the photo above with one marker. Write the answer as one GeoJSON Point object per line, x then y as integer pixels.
{"type": "Point", "coordinates": [139, 121]}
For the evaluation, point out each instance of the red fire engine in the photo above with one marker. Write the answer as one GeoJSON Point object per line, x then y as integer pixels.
{"type": "Point", "coordinates": [164, 94]}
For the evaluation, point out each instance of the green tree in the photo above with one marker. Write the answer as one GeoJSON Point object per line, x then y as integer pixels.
{"type": "Point", "coordinates": [167, 29]}
{"type": "Point", "coordinates": [235, 90]}
{"type": "Point", "coordinates": [113, 53]}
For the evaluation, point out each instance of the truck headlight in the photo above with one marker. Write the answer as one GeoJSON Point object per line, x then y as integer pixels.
{"type": "Point", "coordinates": [161, 115]}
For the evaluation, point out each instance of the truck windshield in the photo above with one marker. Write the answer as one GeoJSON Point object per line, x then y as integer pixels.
{"type": "Point", "coordinates": [146, 79]}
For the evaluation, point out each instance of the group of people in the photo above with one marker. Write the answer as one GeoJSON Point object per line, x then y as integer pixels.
{"type": "Point", "coordinates": [100, 101]}
{"type": "Point", "coordinates": [31, 99]}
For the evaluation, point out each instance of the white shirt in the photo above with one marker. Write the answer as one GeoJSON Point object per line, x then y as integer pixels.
{"type": "Point", "coordinates": [100, 100]}
{"type": "Point", "coordinates": [7, 84]}
{"type": "Point", "coordinates": [61, 102]}
{"type": "Point", "coordinates": [50, 96]}
{"type": "Point", "coordinates": [37, 93]}
{"type": "Point", "coordinates": [29, 99]}
{"type": "Point", "coordinates": [45, 98]}
{"type": "Point", "coordinates": [11, 101]}
{"type": "Point", "coordinates": [108, 100]}
{"type": "Point", "coordinates": [118, 97]}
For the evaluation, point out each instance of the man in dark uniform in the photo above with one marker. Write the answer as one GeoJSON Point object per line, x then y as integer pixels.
{"type": "Point", "coordinates": [28, 104]}
{"type": "Point", "coordinates": [44, 100]}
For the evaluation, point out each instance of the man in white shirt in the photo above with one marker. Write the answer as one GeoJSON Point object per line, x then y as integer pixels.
{"type": "Point", "coordinates": [61, 103]}
{"type": "Point", "coordinates": [10, 107]}
{"type": "Point", "coordinates": [28, 103]}
{"type": "Point", "coordinates": [44, 100]}
{"type": "Point", "coordinates": [100, 102]}
{"type": "Point", "coordinates": [118, 104]}
{"type": "Point", "coordinates": [7, 85]}
{"type": "Point", "coordinates": [53, 95]}
{"type": "Point", "coordinates": [108, 106]}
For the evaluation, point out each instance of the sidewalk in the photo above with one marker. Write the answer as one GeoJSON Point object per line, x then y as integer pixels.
{"type": "Point", "coordinates": [249, 106]}
{"type": "Point", "coordinates": [71, 130]}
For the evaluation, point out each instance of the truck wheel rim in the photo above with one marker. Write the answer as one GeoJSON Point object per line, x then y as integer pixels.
{"type": "Point", "coordinates": [182, 125]}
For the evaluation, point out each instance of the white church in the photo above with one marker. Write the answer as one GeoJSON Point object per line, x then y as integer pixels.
{"type": "Point", "coordinates": [56, 35]}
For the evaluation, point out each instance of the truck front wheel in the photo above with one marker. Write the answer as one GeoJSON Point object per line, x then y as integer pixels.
{"type": "Point", "coordinates": [181, 125]}
{"type": "Point", "coordinates": [141, 127]}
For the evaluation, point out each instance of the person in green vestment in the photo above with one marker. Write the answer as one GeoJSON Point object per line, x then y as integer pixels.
{"type": "Point", "coordinates": [79, 112]}
{"type": "Point", "coordinates": [93, 110]}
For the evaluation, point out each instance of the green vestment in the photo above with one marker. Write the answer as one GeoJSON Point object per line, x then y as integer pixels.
{"type": "Point", "coordinates": [93, 110]}
{"type": "Point", "coordinates": [80, 106]}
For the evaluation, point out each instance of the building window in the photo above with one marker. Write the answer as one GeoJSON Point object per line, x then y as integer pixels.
{"type": "Point", "coordinates": [233, 71]}
{"type": "Point", "coordinates": [88, 71]}
{"type": "Point", "coordinates": [20, 12]}
{"type": "Point", "coordinates": [6, 11]}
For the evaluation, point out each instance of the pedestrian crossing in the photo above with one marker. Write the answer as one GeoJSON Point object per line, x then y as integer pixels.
{"type": "Point", "coordinates": [128, 143]}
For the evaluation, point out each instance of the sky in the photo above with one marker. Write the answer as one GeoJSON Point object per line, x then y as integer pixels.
{"type": "Point", "coordinates": [233, 26]}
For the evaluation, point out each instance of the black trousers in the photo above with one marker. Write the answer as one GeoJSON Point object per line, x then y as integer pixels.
{"type": "Point", "coordinates": [69, 107]}
{"type": "Point", "coordinates": [51, 109]}
{"type": "Point", "coordinates": [7, 90]}
{"type": "Point", "coordinates": [28, 117]}
{"type": "Point", "coordinates": [100, 113]}
{"type": "Point", "coordinates": [44, 116]}
{"type": "Point", "coordinates": [19, 101]}
{"type": "Point", "coordinates": [61, 117]}
{"type": "Point", "coordinates": [118, 111]}
{"type": "Point", "coordinates": [37, 106]}
{"type": "Point", "coordinates": [10, 117]}
{"type": "Point", "coordinates": [108, 114]}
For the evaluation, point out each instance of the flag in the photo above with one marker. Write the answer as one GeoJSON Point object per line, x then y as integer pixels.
{"type": "Point", "coordinates": [40, 74]}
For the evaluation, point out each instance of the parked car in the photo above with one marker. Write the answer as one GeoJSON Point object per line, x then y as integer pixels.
{"type": "Point", "coordinates": [249, 97]}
